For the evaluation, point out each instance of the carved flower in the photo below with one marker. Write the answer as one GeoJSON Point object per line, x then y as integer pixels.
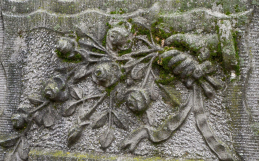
{"type": "Point", "coordinates": [19, 120]}
{"type": "Point", "coordinates": [120, 36]}
{"type": "Point", "coordinates": [56, 90]}
{"type": "Point", "coordinates": [66, 46]}
{"type": "Point", "coordinates": [106, 73]}
{"type": "Point", "coordinates": [138, 100]}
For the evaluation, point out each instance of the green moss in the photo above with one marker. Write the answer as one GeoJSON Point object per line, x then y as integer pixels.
{"type": "Point", "coordinates": [123, 77]}
{"type": "Point", "coordinates": [235, 38]}
{"type": "Point", "coordinates": [130, 20]}
{"type": "Point", "coordinates": [109, 25]}
{"type": "Point", "coordinates": [164, 71]}
{"type": "Point", "coordinates": [120, 23]}
{"type": "Point", "coordinates": [97, 50]}
{"type": "Point", "coordinates": [77, 37]}
{"type": "Point", "coordinates": [111, 88]}
{"type": "Point", "coordinates": [34, 153]}
{"type": "Point", "coordinates": [65, 57]}
{"type": "Point", "coordinates": [120, 11]}
{"type": "Point", "coordinates": [104, 40]}
{"type": "Point", "coordinates": [123, 52]}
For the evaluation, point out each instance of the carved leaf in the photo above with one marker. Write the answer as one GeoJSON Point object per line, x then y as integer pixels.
{"type": "Point", "coordinates": [107, 138]}
{"type": "Point", "coordinates": [100, 121]}
{"type": "Point", "coordinates": [48, 119]}
{"type": "Point", "coordinates": [35, 99]}
{"type": "Point", "coordinates": [138, 71]}
{"type": "Point", "coordinates": [74, 134]}
{"type": "Point", "coordinates": [120, 120]}
{"type": "Point", "coordinates": [143, 22]}
{"type": "Point", "coordinates": [76, 92]}
{"type": "Point", "coordinates": [170, 95]}
{"type": "Point", "coordinates": [154, 91]}
{"type": "Point", "coordinates": [38, 117]}
{"type": "Point", "coordinates": [12, 157]}
{"type": "Point", "coordinates": [8, 140]}
{"type": "Point", "coordinates": [23, 149]}
{"type": "Point", "coordinates": [69, 109]}
{"type": "Point", "coordinates": [80, 73]}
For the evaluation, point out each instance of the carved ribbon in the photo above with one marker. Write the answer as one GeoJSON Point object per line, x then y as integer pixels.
{"type": "Point", "coordinates": [166, 130]}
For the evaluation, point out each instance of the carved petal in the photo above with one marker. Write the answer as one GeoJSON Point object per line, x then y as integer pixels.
{"type": "Point", "coordinates": [100, 121]}
{"type": "Point", "coordinates": [107, 138]}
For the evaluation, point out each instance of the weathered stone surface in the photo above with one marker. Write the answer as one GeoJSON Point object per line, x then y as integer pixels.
{"type": "Point", "coordinates": [174, 79]}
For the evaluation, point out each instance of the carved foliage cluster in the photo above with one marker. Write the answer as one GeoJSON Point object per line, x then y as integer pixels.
{"type": "Point", "coordinates": [133, 65]}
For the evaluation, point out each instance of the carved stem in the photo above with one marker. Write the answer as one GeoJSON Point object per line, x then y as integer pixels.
{"type": "Point", "coordinates": [138, 61]}
{"type": "Point", "coordinates": [86, 98]}
{"type": "Point", "coordinates": [100, 46]}
{"type": "Point", "coordinates": [91, 111]}
{"type": "Point", "coordinates": [110, 111]}
{"type": "Point", "coordinates": [146, 41]}
{"type": "Point", "coordinates": [148, 71]}
{"type": "Point", "coordinates": [128, 56]}
{"type": "Point", "coordinates": [16, 146]}
{"type": "Point", "coordinates": [38, 108]}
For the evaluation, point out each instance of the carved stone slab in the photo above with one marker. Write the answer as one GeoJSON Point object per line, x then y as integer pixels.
{"type": "Point", "coordinates": [129, 80]}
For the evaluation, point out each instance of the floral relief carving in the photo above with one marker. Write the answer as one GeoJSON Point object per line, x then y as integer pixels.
{"type": "Point", "coordinates": [135, 64]}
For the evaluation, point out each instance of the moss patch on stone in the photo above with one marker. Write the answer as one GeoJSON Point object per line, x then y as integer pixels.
{"type": "Point", "coordinates": [65, 57]}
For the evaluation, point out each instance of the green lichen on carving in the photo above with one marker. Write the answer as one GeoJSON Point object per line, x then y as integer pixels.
{"type": "Point", "coordinates": [65, 57]}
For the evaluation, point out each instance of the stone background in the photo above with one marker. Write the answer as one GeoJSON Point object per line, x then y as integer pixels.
{"type": "Point", "coordinates": [27, 54]}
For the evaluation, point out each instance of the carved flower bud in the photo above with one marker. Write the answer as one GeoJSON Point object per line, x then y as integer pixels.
{"type": "Point", "coordinates": [55, 89]}
{"type": "Point", "coordinates": [106, 74]}
{"type": "Point", "coordinates": [65, 45]}
{"type": "Point", "coordinates": [138, 100]}
{"type": "Point", "coordinates": [19, 120]}
{"type": "Point", "coordinates": [120, 36]}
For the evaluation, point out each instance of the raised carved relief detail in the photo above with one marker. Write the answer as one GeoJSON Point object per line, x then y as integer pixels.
{"type": "Point", "coordinates": [135, 64]}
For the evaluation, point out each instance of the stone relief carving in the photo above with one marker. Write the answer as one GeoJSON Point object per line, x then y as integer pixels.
{"type": "Point", "coordinates": [137, 63]}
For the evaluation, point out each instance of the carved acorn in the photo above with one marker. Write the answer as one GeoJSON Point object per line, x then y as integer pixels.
{"type": "Point", "coordinates": [106, 73]}
{"type": "Point", "coordinates": [138, 100]}
{"type": "Point", "coordinates": [56, 89]}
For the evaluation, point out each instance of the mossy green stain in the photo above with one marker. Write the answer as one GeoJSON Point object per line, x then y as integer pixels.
{"type": "Point", "coordinates": [123, 52]}
{"type": "Point", "coordinates": [111, 88]}
{"type": "Point", "coordinates": [65, 57]}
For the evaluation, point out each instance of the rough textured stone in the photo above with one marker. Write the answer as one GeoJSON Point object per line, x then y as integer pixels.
{"type": "Point", "coordinates": [53, 65]}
